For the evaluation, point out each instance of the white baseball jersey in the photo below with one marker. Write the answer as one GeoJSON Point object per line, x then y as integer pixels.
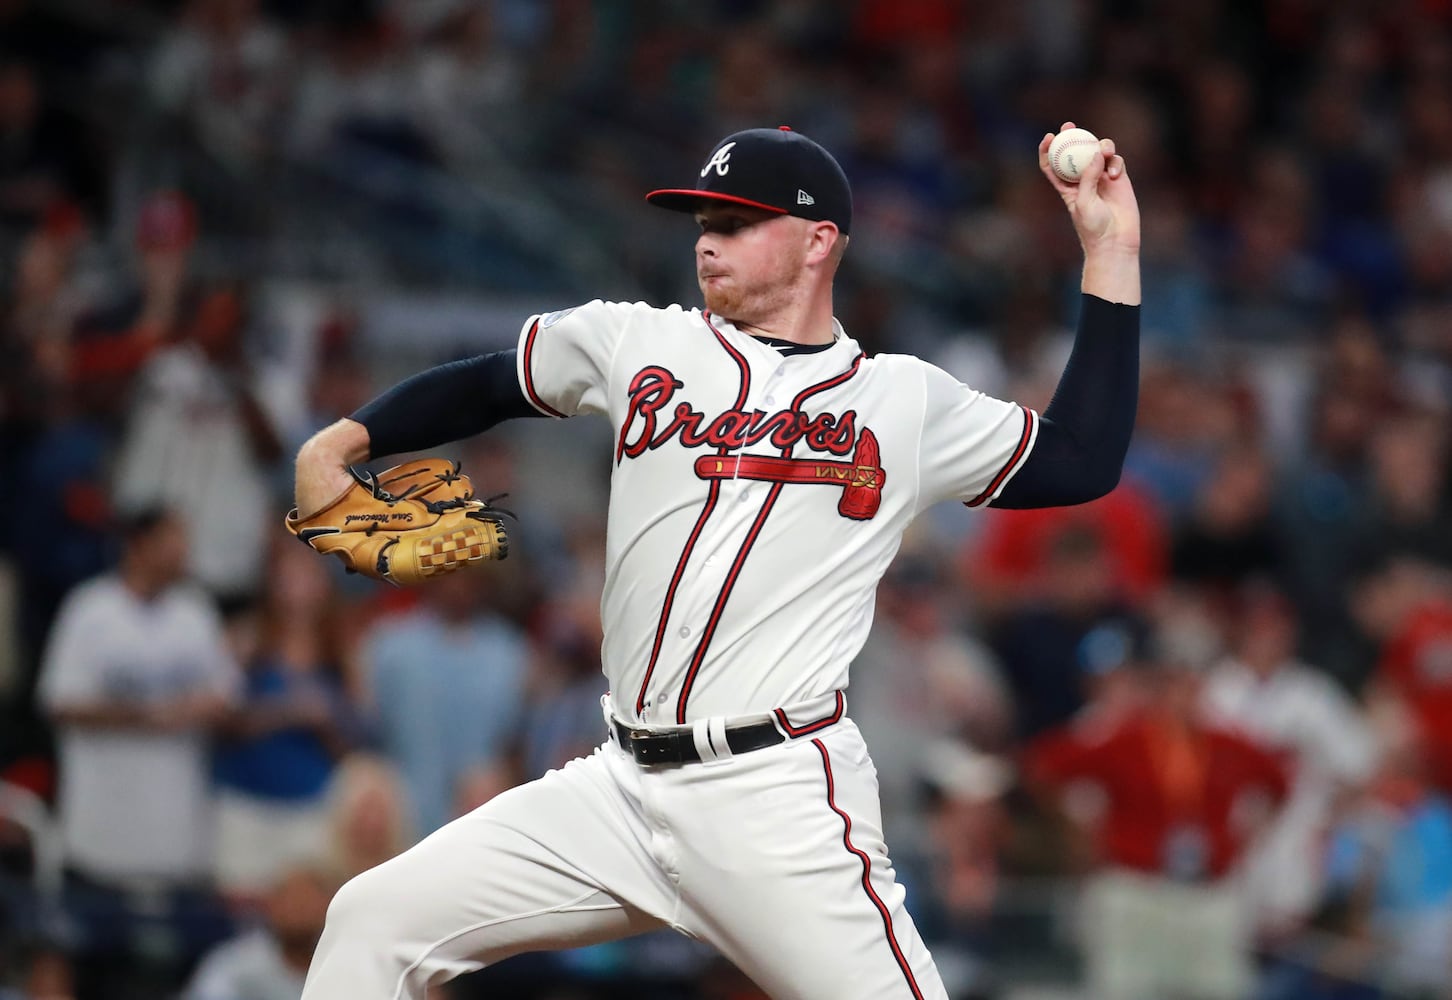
{"type": "Point", "coordinates": [756, 498]}
{"type": "Point", "coordinates": [1299, 713]}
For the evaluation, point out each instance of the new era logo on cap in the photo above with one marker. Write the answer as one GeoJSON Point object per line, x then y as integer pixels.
{"type": "Point", "coordinates": [771, 168]}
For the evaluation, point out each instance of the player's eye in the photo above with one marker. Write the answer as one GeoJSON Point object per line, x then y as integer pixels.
{"type": "Point", "coordinates": [724, 224]}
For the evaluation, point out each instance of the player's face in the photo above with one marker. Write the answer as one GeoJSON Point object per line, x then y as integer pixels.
{"type": "Point", "coordinates": [748, 260]}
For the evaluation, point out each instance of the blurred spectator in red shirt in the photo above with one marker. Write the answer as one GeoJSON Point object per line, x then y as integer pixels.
{"type": "Point", "coordinates": [1406, 604]}
{"type": "Point", "coordinates": [892, 23]}
{"type": "Point", "coordinates": [1038, 644]}
{"type": "Point", "coordinates": [1010, 563]}
{"type": "Point", "coordinates": [1179, 796]}
{"type": "Point", "coordinates": [1302, 715]}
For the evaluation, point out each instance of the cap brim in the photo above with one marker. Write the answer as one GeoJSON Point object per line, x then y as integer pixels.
{"type": "Point", "coordinates": [689, 199]}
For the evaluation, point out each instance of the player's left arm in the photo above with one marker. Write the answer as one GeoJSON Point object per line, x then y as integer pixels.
{"type": "Point", "coordinates": [445, 403]}
{"type": "Point", "coordinates": [560, 367]}
{"type": "Point", "coordinates": [1084, 432]}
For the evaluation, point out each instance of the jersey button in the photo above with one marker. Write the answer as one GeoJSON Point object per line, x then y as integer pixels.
{"type": "Point", "coordinates": [780, 371]}
{"type": "Point", "coordinates": [770, 400]}
{"type": "Point", "coordinates": [685, 631]}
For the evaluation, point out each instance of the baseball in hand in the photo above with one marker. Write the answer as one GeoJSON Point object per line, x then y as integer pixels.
{"type": "Point", "coordinates": [1069, 152]}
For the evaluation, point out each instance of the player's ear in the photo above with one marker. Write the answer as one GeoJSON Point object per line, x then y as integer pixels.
{"type": "Point", "coordinates": [825, 243]}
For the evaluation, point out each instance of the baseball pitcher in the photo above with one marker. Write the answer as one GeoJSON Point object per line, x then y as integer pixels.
{"type": "Point", "coordinates": [764, 470]}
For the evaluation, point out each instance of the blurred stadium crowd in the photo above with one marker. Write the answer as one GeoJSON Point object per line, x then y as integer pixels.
{"type": "Point", "coordinates": [1192, 740]}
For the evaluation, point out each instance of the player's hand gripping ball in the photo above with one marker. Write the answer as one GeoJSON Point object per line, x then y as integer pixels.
{"type": "Point", "coordinates": [1070, 152]}
{"type": "Point", "coordinates": [406, 524]}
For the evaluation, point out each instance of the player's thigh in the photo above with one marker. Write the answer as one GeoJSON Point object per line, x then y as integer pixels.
{"type": "Point", "coordinates": [557, 862]}
{"type": "Point", "coordinates": [798, 889]}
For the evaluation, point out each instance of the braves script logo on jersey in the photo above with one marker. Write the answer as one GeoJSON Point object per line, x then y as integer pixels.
{"type": "Point", "coordinates": [646, 428]}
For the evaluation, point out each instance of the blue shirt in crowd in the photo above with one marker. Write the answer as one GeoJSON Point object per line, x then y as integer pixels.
{"type": "Point", "coordinates": [291, 764]}
{"type": "Point", "coordinates": [448, 699]}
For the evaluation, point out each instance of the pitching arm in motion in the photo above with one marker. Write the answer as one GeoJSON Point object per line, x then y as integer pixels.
{"type": "Point", "coordinates": [1084, 433]}
{"type": "Point", "coordinates": [436, 406]}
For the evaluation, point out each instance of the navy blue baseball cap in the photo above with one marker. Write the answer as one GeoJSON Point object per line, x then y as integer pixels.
{"type": "Point", "coordinates": [771, 168]}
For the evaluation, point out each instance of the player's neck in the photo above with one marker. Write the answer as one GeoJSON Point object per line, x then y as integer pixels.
{"type": "Point", "coordinates": [807, 324]}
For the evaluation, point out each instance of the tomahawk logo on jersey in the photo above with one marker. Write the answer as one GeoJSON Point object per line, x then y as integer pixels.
{"type": "Point", "coordinates": [738, 463]}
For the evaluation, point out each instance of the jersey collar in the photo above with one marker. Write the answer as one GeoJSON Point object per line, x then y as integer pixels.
{"type": "Point", "coordinates": [841, 346]}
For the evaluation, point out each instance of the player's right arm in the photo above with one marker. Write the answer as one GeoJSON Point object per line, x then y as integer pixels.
{"type": "Point", "coordinates": [1074, 451]}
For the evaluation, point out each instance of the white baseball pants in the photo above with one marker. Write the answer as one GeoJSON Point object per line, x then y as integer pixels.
{"type": "Point", "coordinates": [775, 857]}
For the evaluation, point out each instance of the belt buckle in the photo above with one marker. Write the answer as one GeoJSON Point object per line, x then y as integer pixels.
{"type": "Point", "coordinates": [639, 734]}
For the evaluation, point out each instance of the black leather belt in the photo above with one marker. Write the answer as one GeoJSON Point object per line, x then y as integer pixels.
{"type": "Point", "coordinates": [680, 747]}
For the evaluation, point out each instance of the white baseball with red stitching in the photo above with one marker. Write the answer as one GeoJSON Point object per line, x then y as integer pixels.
{"type": "Point", "coordinates": [1069, 152]}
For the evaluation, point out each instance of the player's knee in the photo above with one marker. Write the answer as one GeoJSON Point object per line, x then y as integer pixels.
{"type": "Point", "coordinates": [367, 905]}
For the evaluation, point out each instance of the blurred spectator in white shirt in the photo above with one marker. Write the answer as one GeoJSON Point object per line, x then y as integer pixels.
{"type": "Point", "coordinates": [136, 677]}
{"type": "Point", "coordinates": [1299, 713]}
{"type": "Point", "coordinates": [198, 440]}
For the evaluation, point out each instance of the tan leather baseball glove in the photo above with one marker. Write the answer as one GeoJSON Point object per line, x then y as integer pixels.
{"type": "Point", "coordinates": [406, 524]}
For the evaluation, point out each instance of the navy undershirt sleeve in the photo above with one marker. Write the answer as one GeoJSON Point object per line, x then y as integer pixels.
{"type": "Point", "coordinates": [1084, 433]}
{"type": "Point", "coordinates": [446, 403]}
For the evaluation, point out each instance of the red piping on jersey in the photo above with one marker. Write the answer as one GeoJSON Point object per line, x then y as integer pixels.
{"type": "Point", "coordinates": [726, 588]}
{"type": "Point", "coordinates": [711, 498]}
{"type": "Point", "coordinates": [1023, 442]}
{"type": "Point", "coordinates": [751, 536]}
{"type": "Point", "coordinates": [529, 374]}
{"type": "Point", "coordinates": [811, 727]}
{"type": "Point", "coordinates": [902, 962]}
